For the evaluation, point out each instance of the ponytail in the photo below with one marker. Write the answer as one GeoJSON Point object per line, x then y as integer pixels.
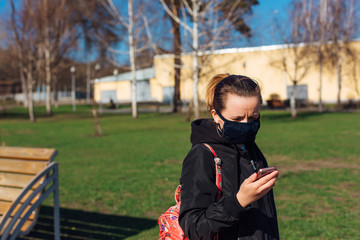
{"type": "Point", "coordinates": [210, 90]}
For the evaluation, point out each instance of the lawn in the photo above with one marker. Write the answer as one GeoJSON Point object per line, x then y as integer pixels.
{"type": "Point", "coordinates": [115, 186]}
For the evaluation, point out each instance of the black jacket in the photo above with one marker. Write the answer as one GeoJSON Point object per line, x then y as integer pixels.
{"type": "Point", "coordinates": [201, 216]}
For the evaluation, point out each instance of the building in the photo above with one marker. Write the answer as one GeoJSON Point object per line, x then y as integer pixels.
{"type": "Point", "coordinates": [263, 64]}
{"type": "Point", "coordinates": [118, 87]}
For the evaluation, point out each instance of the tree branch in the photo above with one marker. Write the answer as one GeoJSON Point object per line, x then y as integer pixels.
{"type": "Point", "coordinates": [110, 7]}
{"type": "Point", "coordinates": [175, 18]}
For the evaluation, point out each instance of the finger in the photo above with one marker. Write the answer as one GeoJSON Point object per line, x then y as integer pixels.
{"type": "Point", "coordinates": [266, 187]}
{"type": "Point", "coordinates": [260, 182]}
{"type": "Point", "coordinates": [267, 177]}
{"type": "Point", "coordinates": [265, 191]}
{"type": "Point", "coordinates": [252, 177]}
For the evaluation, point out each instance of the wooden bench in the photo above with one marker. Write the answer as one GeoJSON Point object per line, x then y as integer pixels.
{"type": "Point", "coordinates": [27, 177]}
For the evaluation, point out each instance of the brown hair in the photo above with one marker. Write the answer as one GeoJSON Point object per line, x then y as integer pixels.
{"type": "Point", "coordinates": [223, 84]}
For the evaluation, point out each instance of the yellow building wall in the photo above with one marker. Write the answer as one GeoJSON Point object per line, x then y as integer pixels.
{"type": "Point", "coordinates": [156, 90]}
{"type": "Point", "coordinates": [123, 90]}
{"type": "Point", "coordinates": [263, 64]}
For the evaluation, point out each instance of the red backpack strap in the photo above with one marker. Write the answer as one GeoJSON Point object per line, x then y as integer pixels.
{"type": "Point", "coordinates": [217, 161]}
{"type": "Point", "coordinates": [177, 194]}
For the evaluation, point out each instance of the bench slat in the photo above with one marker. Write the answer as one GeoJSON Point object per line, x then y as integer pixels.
{"type": "Point", "coordinates": [14, 179]}
{"type": "Point", "coordinates": [21, 166]}
{"type": "Point", "coordinates": [10, 194]}
{"type": "Point", "coordinates": [44, 154]}
{"type": "Point", "coordinates": [4, 206]}
{"type": "Point", "coordinates": [24, 228]}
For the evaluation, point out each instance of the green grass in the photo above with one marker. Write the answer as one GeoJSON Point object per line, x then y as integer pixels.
{"type": "Point", "coordinates": [129, 174]}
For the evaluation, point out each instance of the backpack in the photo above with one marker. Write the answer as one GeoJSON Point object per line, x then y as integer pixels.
{"type": "Point", "coordinates": [169, 220]}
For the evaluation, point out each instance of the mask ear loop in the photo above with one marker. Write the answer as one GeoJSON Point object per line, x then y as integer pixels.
{"type": "Point", "coordinates": [219, 131]}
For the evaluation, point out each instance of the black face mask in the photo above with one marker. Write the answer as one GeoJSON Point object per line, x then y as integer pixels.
{"type": "Point", "coordinates": [238, 132]}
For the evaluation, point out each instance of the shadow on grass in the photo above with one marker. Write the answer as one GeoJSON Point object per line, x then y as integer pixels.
{"type": "Point", "coordinates": [77, 224]}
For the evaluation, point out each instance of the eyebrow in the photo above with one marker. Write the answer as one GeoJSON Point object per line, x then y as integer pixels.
{"type": "Point", "coordinates": [237, 118]}
{"type": "Point", "coordinates": [243, 116]}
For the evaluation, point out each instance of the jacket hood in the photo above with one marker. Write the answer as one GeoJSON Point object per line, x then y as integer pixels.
{"type": "Point", "coordinates": [204, 131]}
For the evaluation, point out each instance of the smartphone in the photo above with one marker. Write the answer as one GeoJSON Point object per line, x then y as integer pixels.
{"type": "Point", "coordinates": [265, 171]}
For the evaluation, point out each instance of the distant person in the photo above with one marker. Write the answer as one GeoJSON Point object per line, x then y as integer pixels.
{"type": "Point", "coordinates": [112, 104]}
{"type": "Point", "coordinates": [246, 209]}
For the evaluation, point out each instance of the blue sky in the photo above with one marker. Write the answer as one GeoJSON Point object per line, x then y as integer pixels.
{"type": "Point", "coordinates": [264, 14]}
{"type": "Point", "coordinates": [261, 22]}
{"type": "Point", "coordinates": [3, 3]}
{"type": "Point", "coordinates": [5, 6]}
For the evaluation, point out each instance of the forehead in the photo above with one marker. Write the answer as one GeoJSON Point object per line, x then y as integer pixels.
{"type": "Point", "coordinates": [240, 105]}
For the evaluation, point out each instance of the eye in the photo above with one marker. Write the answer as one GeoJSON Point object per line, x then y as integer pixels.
{"type": "Point", "coordinates": [254, 117]}
{"type": "Point", "coordinates": [238, 119]}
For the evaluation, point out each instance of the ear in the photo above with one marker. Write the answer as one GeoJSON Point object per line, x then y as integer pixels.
{"type": "Point", "coordinates": [215, 116]}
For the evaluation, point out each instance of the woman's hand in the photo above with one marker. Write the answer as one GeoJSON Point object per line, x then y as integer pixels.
{"type": "Point", "coordinates": [252, 189]}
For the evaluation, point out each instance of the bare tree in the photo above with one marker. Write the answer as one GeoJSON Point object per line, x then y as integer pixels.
{"type": "Point", "coordinates": [174, 6]}
{"type": "Point", "coordinates": [327, 28]}
{"type": "Point", "coordinates": [130, 28]}
{"type": "Point", "coordinates": [298, 57]}
{"type": "Point", "coordinates": [56, 37]}
{"type": "Point", "coordinates": [324, 27]}
{"type": "Point", "coordinates": [207, 28]}
{"type": "Point", "coordinates": [139, 37]}
{"type": "Point", "coordinates": [18, 51]}
{"type": "Point", "coordinates": [317, 27]}
{"type": "Point", "coordinates": [129, 25]}
{"type": "Point", "coordinates": [23, 39]}
{"type": "Point", "coordinates": [343, 26]}
{"type": "Point", "coordinates": [44, 34]}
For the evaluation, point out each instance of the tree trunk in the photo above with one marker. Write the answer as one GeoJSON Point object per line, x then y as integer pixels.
{"type": "Point", "coordinates": [321, 109]}
{"type": "Point", "coordinates": [24, 87]}
{"type": "Point", "coordinates": [177, 58]}
{"type": "Point", "coordinates": [30, 100]}
{"type": "Point", "coordinates": [48, 82]}
{"type": "Point", "coordinates": [73, 91]}
{"type": "Point", "coordinates": [323, 23]}
{"type": "Point", "coordinates": [47, 61]}
{"type": "Point", "coordinates": [19, 52]}
{"type": "Point", "coordinates": [98, 131]}
{"type": "Point", "coordinates": [293, 102]}
{"type": "Point", "coordinates": [338, 71]}
{"type": "Point", "coordinates": [195, 45]}
{"type": "Point", "coordinates": [55, 92]}
{"type": "Point", "coordinates": [88, 89]}
{"type": "Point", "coordinates": [190, 110]}
{"type": "Point", "coordinates": [132, 60]}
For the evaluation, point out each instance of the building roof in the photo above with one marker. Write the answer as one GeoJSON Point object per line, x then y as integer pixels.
{"type": "Point", "coordinates": [243, 49]}
{"type": "Point", "coordinates": [141, 74]}
{"type": "Point", "coordinates": [233, 50]}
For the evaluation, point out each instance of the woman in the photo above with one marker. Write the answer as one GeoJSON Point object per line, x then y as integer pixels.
{"type": "Point", "coordinates": [246, 209]}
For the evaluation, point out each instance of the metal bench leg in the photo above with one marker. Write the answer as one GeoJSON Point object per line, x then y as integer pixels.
{"type": "Point", "coordinates": [56, 208]}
